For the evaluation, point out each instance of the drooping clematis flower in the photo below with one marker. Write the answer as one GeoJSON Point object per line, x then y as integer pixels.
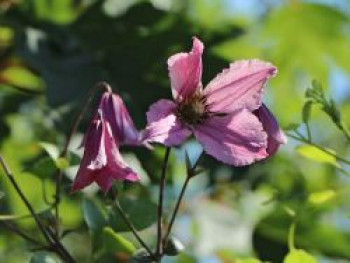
{"type": "Point", "coordinates": [227, 117]}
{"type": "Point", "coordinates": [102, 162]}
{"type": "Point", "coordinates": [116, 113]}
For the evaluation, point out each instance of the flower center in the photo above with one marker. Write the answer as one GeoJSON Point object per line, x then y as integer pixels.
{"type": "Point", "coordinates": [192, 110]}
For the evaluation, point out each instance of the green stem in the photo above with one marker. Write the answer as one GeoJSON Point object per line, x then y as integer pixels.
{"type": "Point", "coordinates": [345, 130]}
{"type": "Point", "coordinates": [47, 233]}
{"type": "Point", "coordinates": [190, 174]}
{"type": "Point", "coordinates": [304, 140]}
{"type": "Point", "coordinates": [159, 250]}
{"type": "Point", "coordinates": [291, 237]}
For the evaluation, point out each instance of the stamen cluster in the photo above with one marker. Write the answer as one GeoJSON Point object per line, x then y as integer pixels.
{"type": "Point", "coordinates": [192, 110]}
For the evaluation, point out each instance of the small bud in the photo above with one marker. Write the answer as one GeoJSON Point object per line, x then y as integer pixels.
{"type": "Point", "coordinates": [173, 247]}
{"type": "Point", "coordinates": [140, 256]}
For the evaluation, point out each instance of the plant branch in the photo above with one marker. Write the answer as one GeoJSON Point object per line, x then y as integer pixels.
{"type": "Point", "coordinates": [191, 172]}
{"type": "Point", "coordinates": [301, 138]}
{"type": "Point", "coordinates": [129, 223]}
{"type": "Point", "coordinates": [345, 130]}
{"type": "Point", "coordinates": [47, 233]}
{"type": "Point", "coordinates": [159, 250]}
{"type": "Point", "coordinates": [20, 233]}
{"type": "Point", "coordinates": [25, 201]}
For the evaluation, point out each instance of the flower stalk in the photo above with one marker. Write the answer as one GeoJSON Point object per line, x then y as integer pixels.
{"type": "Point", "coordinates": [159, 250]}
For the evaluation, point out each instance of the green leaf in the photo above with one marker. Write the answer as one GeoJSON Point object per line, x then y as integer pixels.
{"type": "Point", "coordinates": [315, 154]}
{"type": "Point", "coordinates": [62, 163]}
{"type": "Point", "coordinates": [50, 149]}
{"type": "Point", "coordinates": [142, 213]}
{"type": "Point", "coordinates": [22, 77]}
{"type": "Point", "coordinates": [42, 257]}
{"type": "Point", "coordinates": [299, 256]}
{"type": "Point", "coordinates": [306, 111]}
{"type": "Point", "coordinates": [94, 215]}
{"type": "Point", "coordinates": [44, 168]}
{"type": "Point", "coordinates": [114, 242]}
{"type": "Point", "coordinates": [74, 159]}
{"type": "Point", "coordinates": [291, 127]}
{"type": "Point", "coordinates": [321, 197]}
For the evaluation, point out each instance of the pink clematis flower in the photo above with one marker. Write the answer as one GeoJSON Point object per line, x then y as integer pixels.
{"type": "Point", "coordinates": [227, 117]}
{"type": "Point", "coordinates": [102, 162]}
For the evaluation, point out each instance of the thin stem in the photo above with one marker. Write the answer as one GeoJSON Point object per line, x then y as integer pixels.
{"type": "Point", "coordinates": [304, 140]}
{"type": "Point", "coordinates": [25, 201]}
{"type": "Point", "coordinates": [64, 152]}
{"type": "Point", "coordinates": [159, 250]}
{"type": "Point", "coordinates": [132, 228]}
{"type": "Point", "coordinates": [291, 237]}
{"type": "Point", "coordinates": [190, 174]}
{"type": "Point", "coordinates": [20, 233]}
{"type": "Point", "coordinates": [345, 130]}
{"type": "Point", "coordinates": [308, 131]}
{"type": "Point", "coordinates": [47, 233]}
{"type": "Point", "coordinates": [18, 217]}
{"type": "Point", "coordinates": [176, 210]}
{"type": "Point", "coordinates": [129, 223]}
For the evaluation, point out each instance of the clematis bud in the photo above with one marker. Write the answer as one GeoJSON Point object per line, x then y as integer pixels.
{"type": "Point", "coordinates": [116, 113]}
{"type": "Point", "coordinates": [275, 136]}
{"type": "Point", "coordinates": [102, 162]}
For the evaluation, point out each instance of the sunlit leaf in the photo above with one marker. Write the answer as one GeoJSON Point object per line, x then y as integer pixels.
{"type": "Point", "coordinates": [315, 154]}
{"type": "Point", "coordinates": [300, 256]}
{"type": "Point", "coordinates": [22, 78]}
{"type": "Point", "coordinates": [62, 163]}
{"type": "Point", "coordinates": [321, 197]}
{"type": "Point", "coordinates": [51, 149]}
{"type": "Point", "coordinates": [115, 243]}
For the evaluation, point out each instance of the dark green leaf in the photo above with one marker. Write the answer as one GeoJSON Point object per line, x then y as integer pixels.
{"type": "Point", "coordinates": [142, 213]}
{"type": "Point", "coordinates": [44, 168]}
{"type": "Point", "coordinates": [94, 215]}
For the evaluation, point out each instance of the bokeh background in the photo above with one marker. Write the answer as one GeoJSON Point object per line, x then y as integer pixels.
{"type": "Point", "coordinates": [53, 51]}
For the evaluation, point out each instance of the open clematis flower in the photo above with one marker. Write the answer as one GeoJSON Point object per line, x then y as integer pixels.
{"type": "Point", "coordinates": [102, 162]}
{"type": "Point", "coordinates": [227, 117]}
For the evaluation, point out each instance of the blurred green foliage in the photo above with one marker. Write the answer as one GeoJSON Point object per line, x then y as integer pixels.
{"type": "Point", "coordinates": [53, 51]}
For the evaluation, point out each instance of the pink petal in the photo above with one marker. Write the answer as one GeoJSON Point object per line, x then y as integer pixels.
{"type": "Point", "coordinates": [84, 178]}
{"type": "Point", "coordinates": [95, 145]}
{"type": "Point", "coordinates": [185, 71]}
{"type": "Point", "coordinates": [102, 161]}
{"type": "Point", "coordinates": [239, 86]}
{"type": "Point", "coordinates": [276, 137]}
{"type": "Point", "coordinates": [116, 113]}
{"type": "Point", "coordinates": [237, 139]}
{"type": "Point", "coordinates": [163, 125]}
